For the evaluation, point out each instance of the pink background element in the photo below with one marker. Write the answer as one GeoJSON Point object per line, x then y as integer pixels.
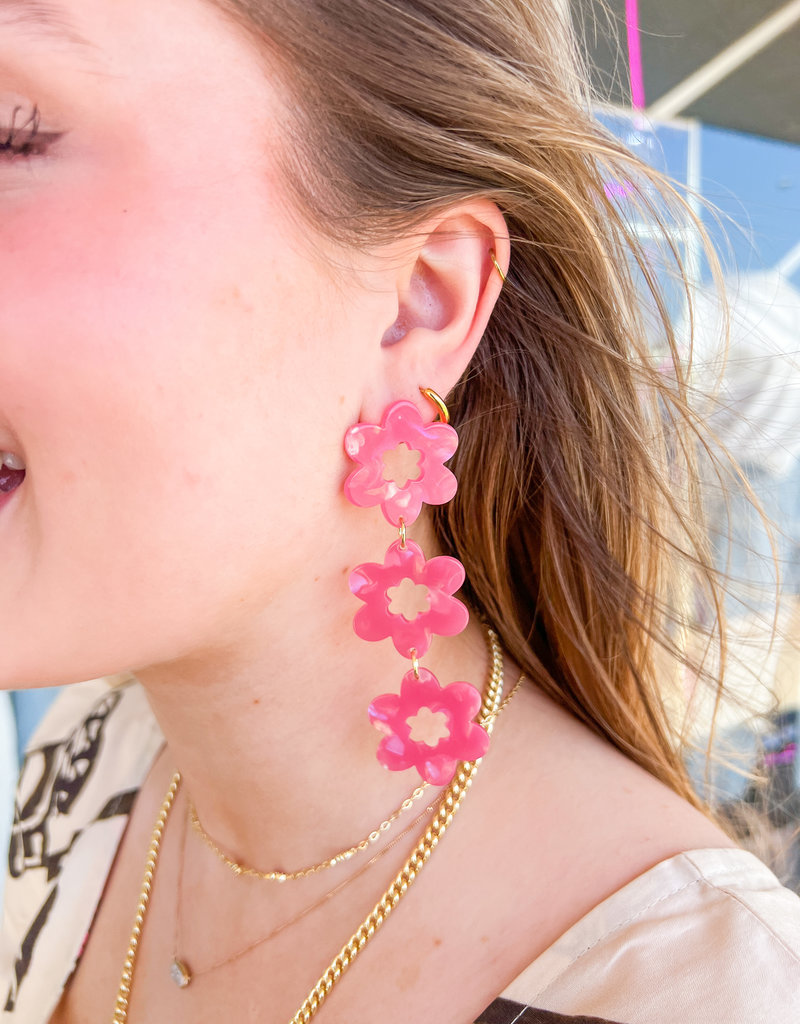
{"type": "Point", "coordinates": [635, 54]}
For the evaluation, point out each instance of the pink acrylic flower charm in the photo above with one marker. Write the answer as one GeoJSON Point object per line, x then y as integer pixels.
{"type": "Point", "coordinates": [429, 727]}
{"type": "Point", "coordinates": [408, 598]}
{"type": "Point", "coordinates": [401, 463]}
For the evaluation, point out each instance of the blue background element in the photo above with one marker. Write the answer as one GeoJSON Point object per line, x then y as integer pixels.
{"type": "Point", "coordinates": [753, 182]}
{"type": "Point", "coordinates": [756, 182]}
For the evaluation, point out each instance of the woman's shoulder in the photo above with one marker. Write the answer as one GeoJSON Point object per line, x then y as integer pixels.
{"type": "Point", "coordinates": [83, 768]}
{"type": "Point", "coordinates": [705, 936]}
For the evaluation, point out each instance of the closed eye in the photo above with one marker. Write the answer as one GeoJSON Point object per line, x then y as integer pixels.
{"type": "Point", "coordinates": [24, 136]}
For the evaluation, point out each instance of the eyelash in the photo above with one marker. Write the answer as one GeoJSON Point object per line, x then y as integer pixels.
{"type": "Point", "coordinates": [25, 140]}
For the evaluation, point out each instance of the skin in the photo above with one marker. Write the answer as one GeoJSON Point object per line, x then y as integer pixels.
{"type": "Point", "coordinates": [180, 358]}
{"type": "Point", "coordinates": [181, 418]}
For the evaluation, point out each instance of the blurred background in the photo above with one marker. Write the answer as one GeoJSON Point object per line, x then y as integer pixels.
{"type": "Point", "coordinates": [707, 93]}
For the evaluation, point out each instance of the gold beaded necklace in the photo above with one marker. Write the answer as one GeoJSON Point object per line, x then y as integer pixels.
{"type": "Point", "coordinates": [449, 803]}
{"type": "Point", "coordinates": [279, 875]}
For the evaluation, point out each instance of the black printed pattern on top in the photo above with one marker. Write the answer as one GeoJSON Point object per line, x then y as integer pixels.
{"type": "Point", "coordinates": [44, 831]}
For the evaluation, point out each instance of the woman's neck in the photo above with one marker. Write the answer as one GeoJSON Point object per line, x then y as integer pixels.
{"type": "Point", "coordinates": [271, 733]}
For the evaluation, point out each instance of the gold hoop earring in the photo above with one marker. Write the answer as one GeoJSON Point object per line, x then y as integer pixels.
{"type": "Point", "coordinates": [497, 266]}
{"type": "Point", "coordinates": [438, 401]}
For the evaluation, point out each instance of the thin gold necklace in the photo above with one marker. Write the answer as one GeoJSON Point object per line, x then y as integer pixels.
{"type": "Point", "coordinates": [451, 799]}
{"type": "Point", "coordinates": [183, 975]}
{"type": "Point", "coordinates": [288, 876]}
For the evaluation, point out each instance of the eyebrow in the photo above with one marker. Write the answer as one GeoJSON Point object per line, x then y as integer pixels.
{"type": "Point", "coordinates": [44, 19]}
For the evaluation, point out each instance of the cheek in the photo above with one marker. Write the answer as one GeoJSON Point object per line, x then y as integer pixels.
{"type": "Point", "coordinates": [95, 268]}
{"type": "Point", "coordinates": [91, 336]}
{"type": "Point", "coordinates": [110, 296]}
{"type": "Point", "coordinates": [158, 386]}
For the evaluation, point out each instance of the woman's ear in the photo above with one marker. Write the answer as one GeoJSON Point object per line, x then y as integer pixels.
{"type": "Point", "coordinates": [447, 284]}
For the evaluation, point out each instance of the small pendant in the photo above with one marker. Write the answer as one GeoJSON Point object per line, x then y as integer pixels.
{"type": "Point", "coordinates": [180, 973]}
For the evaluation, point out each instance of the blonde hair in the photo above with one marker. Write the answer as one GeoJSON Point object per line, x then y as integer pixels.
{"type": "Point", "coordinates": [576, 516]}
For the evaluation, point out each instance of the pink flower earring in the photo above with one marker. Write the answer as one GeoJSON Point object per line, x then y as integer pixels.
{"type": "Point", "coordinates": [409, 598]}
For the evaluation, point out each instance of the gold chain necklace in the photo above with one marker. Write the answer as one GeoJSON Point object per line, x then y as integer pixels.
{"type": "Point", "coordinates": [451, 799]}
{"type": "Point", "coordinates": [288, 876]}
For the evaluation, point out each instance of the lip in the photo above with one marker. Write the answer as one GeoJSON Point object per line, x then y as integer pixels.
{"type": "Point", "coordinates": [8, 496]}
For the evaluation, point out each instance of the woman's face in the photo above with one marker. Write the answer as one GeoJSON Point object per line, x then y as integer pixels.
{"type": "Point", "coordinates": [176, 369]}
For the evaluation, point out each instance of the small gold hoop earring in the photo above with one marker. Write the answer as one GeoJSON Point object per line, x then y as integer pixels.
{"type": "Point", "coordinates": [438, 402]}
{"type": "Point", "coordinates": [497, 266]}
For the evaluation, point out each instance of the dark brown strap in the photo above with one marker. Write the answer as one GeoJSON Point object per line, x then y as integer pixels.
{"type": "Point", "coordinates": [504, 1011]}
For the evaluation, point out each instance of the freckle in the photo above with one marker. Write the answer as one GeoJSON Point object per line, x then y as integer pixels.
{"type": "Point", "coordinates": [256, 700]}
{"type": "Point", "coordinates": [194, 480]}
{"type": "Point", "coordinates": [408, 978]}
{"type": "Point", "coordinates": [484, 938]}
{"type": "Point", "coordinates": [341, 399]}
{"type": "Point", "coordinates": [437, 942]}
{"type": "Point", "coordinates": [316, 579]}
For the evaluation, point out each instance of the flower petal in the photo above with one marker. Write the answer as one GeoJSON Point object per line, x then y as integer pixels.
{"type": "Point", "coordinates": [438, 769]}
{"type": "Point", "coordinates": [366, 444]}
{"type": "Point", "coordinates": [371, 583]}
{"type": "Point", "coordinates": [467, 741]}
